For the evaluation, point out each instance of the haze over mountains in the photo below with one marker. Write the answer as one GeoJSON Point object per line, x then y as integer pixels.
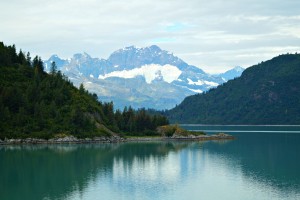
{"type": "Point", "coordinates": [140, 77]}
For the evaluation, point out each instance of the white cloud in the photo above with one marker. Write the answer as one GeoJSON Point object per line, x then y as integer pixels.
{"type": "Point", "coordinates": [184, 27]}
{"type": "Point", "coordinates": [169, 73]}
{"type": "Point", "coordinates": [197, 91]}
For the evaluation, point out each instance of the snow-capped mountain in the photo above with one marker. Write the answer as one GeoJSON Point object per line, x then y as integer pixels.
{"type": "Point", "coordinates": [141, 77]}
{"type": "Point", "coordinates": [231, 74]}
{"type": "Point", "coordinates": [58, 61]}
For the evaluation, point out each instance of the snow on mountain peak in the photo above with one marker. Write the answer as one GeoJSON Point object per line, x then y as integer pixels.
{"type": "Point", "coordinates": [150, 72]}
{"type": "Point", "coordinates": [155, 48]}
{"type": "Point", "coordinates": [200, 82]}
{"type": "Point", "coordinates": [85, 54]}
{"type": "Point", "coordinates": [171, 78]}
{"type": "Point", "coordinates": [238, 69]}
{"type": "Point", "coordinates": [129, 48]}
{"type": "Point", "coordinates": [152, 47]}
{"type": "Point", "coordinates": [79, 56]}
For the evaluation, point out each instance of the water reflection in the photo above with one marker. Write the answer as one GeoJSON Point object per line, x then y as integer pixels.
{"type": "Point", "coordinates": [246, 167]}
{"type": "Point", "coordinates": [56, 171]}
{"type": "Point", "coordinates": [272, 158]}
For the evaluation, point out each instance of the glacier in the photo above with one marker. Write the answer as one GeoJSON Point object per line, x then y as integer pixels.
{"type": "Point", "coordinates": [146, 77]}
{"type": "Point", "coordinates": [169, 73]}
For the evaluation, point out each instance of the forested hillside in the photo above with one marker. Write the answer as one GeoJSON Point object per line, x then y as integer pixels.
{"type": "Point", "coordinates": [36, 104]}
{"type": "Point", "coordinates": [267, 93]}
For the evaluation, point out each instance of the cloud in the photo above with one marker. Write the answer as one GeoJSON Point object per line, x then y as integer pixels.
{"type": "Point", "coordinates": [247, 56]}
{"type": "Point", "coordinates": [175, 27]}
{"type": "Point", "coordinates": [150, 72]}
{"type": "Point", "coordinates": [216, 28]}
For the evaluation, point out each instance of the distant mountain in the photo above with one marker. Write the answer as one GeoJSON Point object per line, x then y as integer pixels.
{"type": "Point", "coordinates": [141, 77]}
{"type": "Point", "coordinates": [231, 74]}
{"type": "Point", "coordinates": [267, 93]}
{"type": "Point", "coordinates": [58, 61]}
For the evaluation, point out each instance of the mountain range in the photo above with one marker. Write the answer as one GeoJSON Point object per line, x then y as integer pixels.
{"type": "Point", "coordinates": [146, 77]}
{"type": "Point", "coordinates": [266, 93]}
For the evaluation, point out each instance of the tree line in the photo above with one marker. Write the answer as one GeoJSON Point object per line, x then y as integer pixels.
{"type": "Point", "coordinates": [266, 93]}
{"type": "Point", "coordinates": [34, 103]}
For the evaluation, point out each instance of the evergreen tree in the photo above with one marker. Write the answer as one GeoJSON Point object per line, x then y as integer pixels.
{"type": "Point", "coordinates": [119, 119]}
{"type": "Point", "coordinates": [81, 89]}
{"type": "Point", "coordinates": [53, 69]}
{"type": "Point", "coordinates": [38, 65]}
{"type": "Point", "coordinates": [21, 58]}
{"type": "Point", "coordinates": [28, 59]}
{"type": "Point", "coordinates": [35, 104]}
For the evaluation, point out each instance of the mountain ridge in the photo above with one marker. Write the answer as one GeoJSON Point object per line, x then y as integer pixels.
{"type": "Point", "coordinates": [131, 63]}
{"type": "Point", "coordinates": [266, 93]}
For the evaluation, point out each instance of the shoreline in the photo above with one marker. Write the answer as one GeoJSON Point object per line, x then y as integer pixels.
{"type": "Point", "coordinates": [239, 125]}
{"type": "Point", "coordinates": [113, 139]}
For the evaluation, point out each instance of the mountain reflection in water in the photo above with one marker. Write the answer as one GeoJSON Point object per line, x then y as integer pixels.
{"type": "Point", "coordinates": [253, 166]}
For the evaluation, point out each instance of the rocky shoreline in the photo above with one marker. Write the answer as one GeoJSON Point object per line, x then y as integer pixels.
{"type": "Point", "coordinates": [113, 139]}
{"type": "Point", "coordinates": [219, 136]}
{"type": "Point", "coordinates": [63, 140]}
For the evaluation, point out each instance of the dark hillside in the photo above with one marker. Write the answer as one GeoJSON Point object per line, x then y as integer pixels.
{"type": "Point", "coordinates": [267, 93]}
{"type": "Point", "coordinates": [36, 104]}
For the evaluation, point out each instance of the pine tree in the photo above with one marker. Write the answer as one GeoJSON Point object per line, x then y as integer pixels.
{"type": "Point", "coordinates": [28, 59]}
{"type": "Point", "coordinates": [38, 65]}
{"type": "Point", "coordinates": [81, 89]}
{"type": "Point", "coordinates": [119, 119]}
{"type": "Point", "coordinates": [53, 69]}
{"type": "Point", "coordinates": [21, 58]}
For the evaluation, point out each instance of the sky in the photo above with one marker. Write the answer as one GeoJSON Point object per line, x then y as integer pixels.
{"type": "Point", "coordinates": [214, 35]}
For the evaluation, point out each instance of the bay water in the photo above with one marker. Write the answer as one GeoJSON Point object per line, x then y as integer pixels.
{"type": "Point", "coordinates": [263, 162]}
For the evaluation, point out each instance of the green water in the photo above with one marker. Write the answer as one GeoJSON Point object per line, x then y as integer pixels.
{"type": "Point", "coordinates": [262, 163]}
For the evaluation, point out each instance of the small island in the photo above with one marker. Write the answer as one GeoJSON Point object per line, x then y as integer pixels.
{"type": "Point", "coordinates": [176, 133]}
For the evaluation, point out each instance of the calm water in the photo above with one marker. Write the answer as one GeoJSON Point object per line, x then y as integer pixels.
{"type": "Point", "coordinates": [263, 163]}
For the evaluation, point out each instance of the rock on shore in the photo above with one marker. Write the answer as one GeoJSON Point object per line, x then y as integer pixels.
{"type": "Point", "coordinates": [219, 136]}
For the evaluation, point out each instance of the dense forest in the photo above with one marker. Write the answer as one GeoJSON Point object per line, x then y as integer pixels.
{"type": "Point", "coordinates": [34, 103]}
{"type": "Point", "coordinates": [267, 93]}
